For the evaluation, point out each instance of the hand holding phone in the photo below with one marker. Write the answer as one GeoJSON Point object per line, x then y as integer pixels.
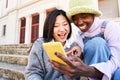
{"type": "Point", "coordinates": [51, 48]}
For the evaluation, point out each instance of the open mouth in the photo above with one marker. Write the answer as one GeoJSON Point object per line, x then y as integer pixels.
{"type": "Point", "coordinates": [82, 26]}
{"type": "Point", "coordinates": [62, 36]}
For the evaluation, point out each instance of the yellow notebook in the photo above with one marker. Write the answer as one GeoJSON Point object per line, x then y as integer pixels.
{"type": "Point", "coordinates": [51, 48]}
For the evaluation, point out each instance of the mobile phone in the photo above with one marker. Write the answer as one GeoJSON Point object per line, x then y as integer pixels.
{"type": "Point", "coordinates": [51, 48]}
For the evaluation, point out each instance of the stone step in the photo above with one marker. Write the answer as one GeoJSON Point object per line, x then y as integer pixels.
{"type": "Point", "coordinates": [15, 51]}
{"type": "Point", "coordinates": [2, 78]}
{"type": "Point", "coordinates": [14, 59]}
{"type": "Point", "coordinates": [21, 49]}
{"type": "Point", "coordinates": [12, 71]}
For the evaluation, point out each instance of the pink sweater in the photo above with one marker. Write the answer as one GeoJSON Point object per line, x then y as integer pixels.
{"type": "Point", "coordinates": [112, 36]}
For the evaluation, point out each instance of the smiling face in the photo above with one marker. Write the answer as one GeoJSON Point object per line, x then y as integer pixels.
{"type": "Point", "coordinates": [61, 29]}
{"type": "Point", "coordinates": [83, 21]}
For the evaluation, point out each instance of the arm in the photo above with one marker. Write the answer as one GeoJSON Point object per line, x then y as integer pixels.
{"type": "Point", "coordinates": [75, 68]}
{"type": "Point", "coordinates": [34, 69]}
{"type": "Point", "coordinates": [112, 37]}
{"type": "Point", "coordinates": [37, 69]}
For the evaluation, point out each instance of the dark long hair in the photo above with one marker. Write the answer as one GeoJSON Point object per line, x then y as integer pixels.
{"type": "Point", "coordinates": [49, 24]}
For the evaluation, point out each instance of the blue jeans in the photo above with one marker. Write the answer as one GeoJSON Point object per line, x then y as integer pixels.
{"type": "Point", "coordinates": [96, 50]}
{"type": "Point", "coordinates": [116, 75]}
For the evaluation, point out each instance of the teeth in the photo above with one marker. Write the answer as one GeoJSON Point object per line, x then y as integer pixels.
{"type": "Point", "coordinates": [61, 35]}
{"type": "Point", "coordinates": [82, 27]}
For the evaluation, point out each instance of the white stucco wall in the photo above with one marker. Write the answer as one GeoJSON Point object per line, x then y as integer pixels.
{"type": "Point", "coordinates": [109, 8]}
{"type": "Point", "coordinates": [1, 8]}
{"type": "Point", "coordinates": [10, 22]}
{"type": "Point", "coordinates": [25, 8]}
{"type": "Point", "coordinates": [2, 23]}
{"type": "Point", "coordinates": [11, 27]}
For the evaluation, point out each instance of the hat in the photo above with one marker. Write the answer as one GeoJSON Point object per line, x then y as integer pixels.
{"type": "Point", "coordinates": [83, 6]}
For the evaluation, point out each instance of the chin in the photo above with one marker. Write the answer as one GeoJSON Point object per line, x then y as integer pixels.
{"type": "Point", "coordinates": [83, 30]}
{"type": "Point", "coordinates": [63, 41]}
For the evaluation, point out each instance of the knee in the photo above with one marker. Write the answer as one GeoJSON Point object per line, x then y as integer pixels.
{"type": "Point", "coordinates": [117, 71]}
{"type": "Point", "coordinates": [96, 45]}
{"type": "Point", "coordinates": [116, 75]}
{"type": "Point", "coordinates": [96, 42]}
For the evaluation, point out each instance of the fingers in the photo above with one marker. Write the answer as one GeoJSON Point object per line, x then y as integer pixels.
{"type": "Point", "coordinates": [66, 60]}
{"type": "Point", "coordinates": [72, 61]}
{"type": "Point", "coordinates": [75, 50]}
{"type": "Point", "coordinates": [70, 51]}
{"type": "Point", "coordinates": [57, 65]}
{"type": "Point", "coordinates": [73, 67]}
{"type": "Point", "coordinates": [64, 69]}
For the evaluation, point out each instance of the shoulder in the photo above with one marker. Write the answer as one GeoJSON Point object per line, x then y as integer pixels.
{"type": "Point", "coordinates": [39, 40]}
{"type": "Point", "coordinates": [112, 30]}
{"type": "Point", "coordinates": [109, 25]}
{"type": "Point", "coordinates": [112, 26]}
{"type": "Point", "coordinates": [38, 43]}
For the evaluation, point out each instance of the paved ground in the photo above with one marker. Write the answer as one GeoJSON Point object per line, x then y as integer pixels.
{"type": "Point", "coordinates": [12, 66]}
{"type": "Point", "coordinates": [83, 78]}
{"type": "Point", "coordinates": [4, 79]}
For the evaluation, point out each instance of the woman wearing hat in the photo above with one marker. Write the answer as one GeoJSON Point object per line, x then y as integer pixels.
{"type": "Point", "coordinates": [100, 42]}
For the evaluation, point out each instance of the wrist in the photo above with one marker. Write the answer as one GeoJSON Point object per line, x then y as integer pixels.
{"type": "Point", "coordinates": [93, 72]}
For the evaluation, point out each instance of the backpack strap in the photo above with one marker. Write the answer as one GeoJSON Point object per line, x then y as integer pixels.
{"type": "Point", "coordinates": [104, 23]}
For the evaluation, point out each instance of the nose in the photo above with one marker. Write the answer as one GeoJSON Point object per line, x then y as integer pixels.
{"type": "Point", "coordinates": [80, 21]}
{"type": "Point", "coordinates": [62, 28]}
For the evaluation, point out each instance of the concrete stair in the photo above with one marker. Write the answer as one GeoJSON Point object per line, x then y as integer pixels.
{"type": "Point", "coordinates": [13, 60]}
{"type": "Point", "coordinates": [12, 71]}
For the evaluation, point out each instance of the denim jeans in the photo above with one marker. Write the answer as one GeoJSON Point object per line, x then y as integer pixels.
{"type": "Point", "coordinates": [95, 50]}
{"type": "Point", "coordinates": [116, 75]}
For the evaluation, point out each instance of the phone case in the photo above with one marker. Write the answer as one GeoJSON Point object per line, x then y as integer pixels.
{"type": "Point", "coordinates": [51, 48]}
